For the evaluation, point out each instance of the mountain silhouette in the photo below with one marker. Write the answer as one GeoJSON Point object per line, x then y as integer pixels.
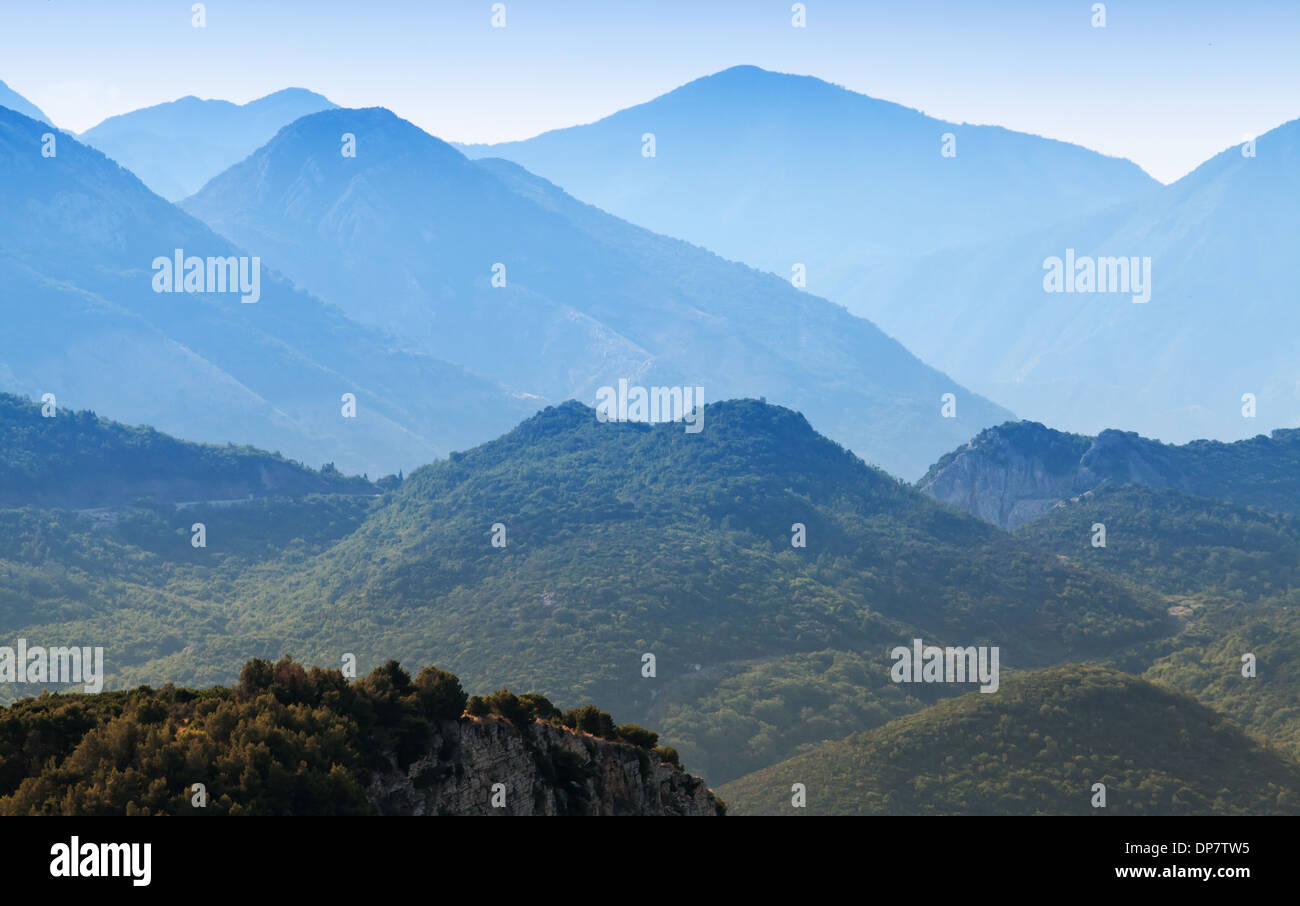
{"type": "Point", "coordinates": [85, 324]}
{"type": "Point", "coordinates": [775, 169]}
{"type": "Point", "coordinates": [1220, 321]}
{"type": "Point", "coordinates": [177, 147]}
{"type": "Point", "coordinates": [409, 234]}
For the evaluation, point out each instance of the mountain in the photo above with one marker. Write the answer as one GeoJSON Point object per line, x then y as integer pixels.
{"type": "Point", "coordinates": [1217, 326]}
{"type": "Point", "coordinates": [79, 239]}
{"type": "Point", "coordinates": [1016, 472]}
{"type": "Point", "coordinates": [614, 541]}
{"type": "Point", "coordinates": [407, 237]}
{"type": "Point", "coordinates": [15, 101]}
{"type": "Point", "coordinates": [287, 741]}
{"type": "Point", "coordinates": [623, 539]}
{"type": "Point", "coordinates": [177, 147]}
{"type": "Point", "coordinates": [774, 169]}
{"type": "Point", "coordinates": [1037, 747]}
{"type": "Point", "coordinates": [947, 254]}
{"type": "Point", "coordinates": [78, 460]}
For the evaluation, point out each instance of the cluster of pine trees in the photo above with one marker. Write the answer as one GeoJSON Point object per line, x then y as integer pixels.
{"type": "Point", "coordinates": [284, 741]}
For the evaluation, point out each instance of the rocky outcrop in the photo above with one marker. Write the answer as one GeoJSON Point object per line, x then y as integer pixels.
{"type": "Point", "coordinates": [1016, 472]}
{"type": "Point", "coordinates": [542, 769]}
{"type": "Point", "coordinates": [1009, 475]}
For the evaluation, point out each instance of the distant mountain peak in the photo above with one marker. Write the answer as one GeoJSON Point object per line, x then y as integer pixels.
{"type": "Point", "coordinates": [291, 92]}
{"type": "Point", "coordinates": [175, 147]}
{"type": "Point", "coordinates": [379, 132]}
{"type": "Point", "coordinates": [507, 275]}
{"type": "Point", "coordinates": [776, 169]}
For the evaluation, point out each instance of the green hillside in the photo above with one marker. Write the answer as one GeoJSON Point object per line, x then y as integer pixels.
{"type": "Point", "coordinates": [136, 586]}
{"type": "Point", "coordinates": [621, 540]}
{"type": "Point", "coordinates": [626, 539]}
{"type": "Point", "coordinates": [79, 460]}
{"type": "Point", "coordinates": [1036, 747]}
{"type": "Point", "coordinates": [1205, 661]}
{"type": "Point", "coordinates": [1175, 543]}
{"type": "Point", "coordinates": [737, 718]}
{"type": "Point", "coordinates": [1230, 574]}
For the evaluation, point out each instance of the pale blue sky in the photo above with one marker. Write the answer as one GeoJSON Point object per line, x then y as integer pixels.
{"type": "Point", "coordinates": [1166, 84]}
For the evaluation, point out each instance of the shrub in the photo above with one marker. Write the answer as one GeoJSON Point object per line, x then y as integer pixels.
{"type": "Point", "coordinates": [505, 703]}
{"type": "Point", "coordinates": [668, 755]}
{"type": "Point", "coordinates": [590, 719]}
{"type": "Point", "coordinates": [637, 736]}
{"type": "Point", "coordinates": [440, 693]}
{"type": "Point", "coordinates": [541, 706]}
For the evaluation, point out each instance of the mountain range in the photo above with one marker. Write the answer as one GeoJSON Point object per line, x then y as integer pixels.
{"type": "Point", "coordinates": [737, 582]}
{"type": "Point", "coordinates": [1208, 356]}
{"type": "Point", "coordinates": [949, 254]}
{"type": "Point", "coordinates": [409, 236]}
{"type": "Point", "coordinates": [921, 225]}
{"type": "Point", "coordinates": [622, 540]}
{"type": "Point", "coordinates": [775, 169]}
{"type": "Point", "coordinates": [175, 148]}
{"type": "Point", "coordinates": [85, 323]}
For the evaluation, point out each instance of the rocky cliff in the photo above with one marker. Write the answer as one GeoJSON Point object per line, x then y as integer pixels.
{"type": "Point", "coordinates": [543, 769]}
{"type": "Point", "coordinates": [1009, 475]}
{"type": "Point", "coordinates": [1016, 472]}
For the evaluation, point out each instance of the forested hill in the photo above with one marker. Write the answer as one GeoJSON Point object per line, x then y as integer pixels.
{"type": "Point", "coordinates": [561, 555]}
{"type": "Point", "coordinates": [79, 460]}
{"type": "Point", "coordinates": [618, 540]}
{"type": "Point", "coordinates": [1038, 746]}
{"type": "Point", "coordinates": [1175, 543]}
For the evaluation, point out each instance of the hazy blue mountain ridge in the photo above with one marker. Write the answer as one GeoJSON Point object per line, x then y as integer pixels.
{"type": "Point", "coordinates": [178, 146]}
{"type": "Point", "coordinates": [84, 323]}
{"type": "Point", "coordinates": [409, 234]}
{"type": "Point", "coordinates": [775, 169]}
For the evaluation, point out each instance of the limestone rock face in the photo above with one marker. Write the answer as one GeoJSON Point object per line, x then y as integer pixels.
{"type": "Point", "coordinates": [1014, 473]}
{"type": "Point", "coordinates": [1010, 476]}
{"type": "Point", "coordinates": [545, 769]}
